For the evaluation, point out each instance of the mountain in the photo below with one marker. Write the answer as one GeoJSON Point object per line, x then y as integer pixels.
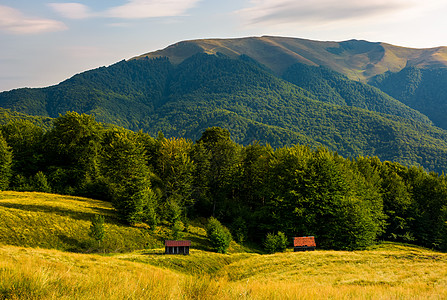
{"type": "Point", "coordinates": [358, 60]}
{"type": "Point", "coordinates": [277, 90]}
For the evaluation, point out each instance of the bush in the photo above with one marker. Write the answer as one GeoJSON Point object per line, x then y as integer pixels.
{"type": "Point", "coordinates": [218, 235]}
{"type": "Point", "coordinates": [239, 228]}
{"type": "Point", "coordinates": [177, 229]}
{"type": "Point", "coordinates": [275, 242]}
{"type": "Point", "coordinates": [97, 230]}
{"type": "Point", "coordinates": [40, 183]}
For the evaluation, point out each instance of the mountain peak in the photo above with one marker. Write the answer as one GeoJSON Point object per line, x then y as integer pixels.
{"type": "Point", "coordinates": [357, 59]}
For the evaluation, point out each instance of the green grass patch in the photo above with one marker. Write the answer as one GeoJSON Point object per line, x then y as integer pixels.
{"type": "Point", "coordinates": [63, 222]}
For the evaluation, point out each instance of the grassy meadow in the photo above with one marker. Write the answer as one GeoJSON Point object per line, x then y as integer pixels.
{"type": "Point", "coordinates": [39, 234]}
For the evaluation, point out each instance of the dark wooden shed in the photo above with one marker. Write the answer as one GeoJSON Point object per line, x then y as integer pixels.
{"type": "Point", "coordinates": [304, 243]}
{"type": "Point", "coordinates": [177, 247]}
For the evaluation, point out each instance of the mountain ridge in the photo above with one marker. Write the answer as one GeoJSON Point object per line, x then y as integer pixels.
{"type": "Point", "coordinates": [357, 59]}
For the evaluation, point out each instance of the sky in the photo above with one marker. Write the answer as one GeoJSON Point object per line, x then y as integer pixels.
{"type": "Point", "coordinates": [43, 42]}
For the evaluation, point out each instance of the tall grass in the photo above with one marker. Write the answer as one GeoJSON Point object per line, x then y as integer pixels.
{"type": "Point", "coordinates": [387, 271]}
{"type": "Point", "coordinates": [49, 274]}
{"type": "Point", "coordinates": [383, 273]}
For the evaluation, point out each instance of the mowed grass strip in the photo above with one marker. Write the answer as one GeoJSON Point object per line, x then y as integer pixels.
{"type": "Point", "coordinates": [197, 263]}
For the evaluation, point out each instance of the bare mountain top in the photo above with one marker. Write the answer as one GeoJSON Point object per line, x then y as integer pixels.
{"type": "Point", "coordinates": [359, 60]}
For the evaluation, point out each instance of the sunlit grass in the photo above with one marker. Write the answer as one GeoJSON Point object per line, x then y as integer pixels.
{"type": "Point", "coordinates": [398, 273]}
{"type": "Point", "coordinates": [63, 222]}
{"type": "Point", "coordinates": [50, 274]}
{"type": "Point", "coordinates": [36, 221]}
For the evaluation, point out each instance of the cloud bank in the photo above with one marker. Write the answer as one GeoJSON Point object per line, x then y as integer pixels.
{"type": "Point", "coordinates": [133, 9]}
{"type": "Point", "coordinates": [71, 10]}
{"type": "Point", "coordinates": [291, 11]}
{"type": "Point", "coordinates": [15, 22]}
{"type": "Point", "coordinates": [138, 9]}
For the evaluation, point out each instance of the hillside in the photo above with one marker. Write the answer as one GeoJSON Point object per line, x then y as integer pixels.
{"type": "Point", "coordinates": [280, 91]}
{"type": "Point", "coordinates": [38, 224]}
{"type": "Point", "coordinates": [51, 221]}
{"type": "Point", "coordinates": [422, 89]}
{"type": "Point", "coordinates": [7, 115]}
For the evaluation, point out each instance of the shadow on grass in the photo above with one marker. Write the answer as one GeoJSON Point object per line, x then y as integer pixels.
{"type": "Point", "coordinates": [154, 253]}
{"type": "Point", "coordinates": [72, 244]}
{"type": "Point", "coordinates": [63, 212]}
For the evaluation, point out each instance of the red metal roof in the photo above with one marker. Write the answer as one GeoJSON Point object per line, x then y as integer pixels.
{"type": "Point", "coordinates": [306, 241]}
{"type": "Point", "coordinates": [177, 243]}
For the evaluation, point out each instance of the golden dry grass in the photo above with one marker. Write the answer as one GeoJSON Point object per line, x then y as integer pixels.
{"type": "Point", "coordinates": [50, 274]}
{"type": "Point", "coordinates": [387, 271]}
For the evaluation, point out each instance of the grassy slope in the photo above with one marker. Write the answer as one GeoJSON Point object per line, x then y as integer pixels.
{"type": "Point", "coordinates": [62, 222]}
{"type": "Point", "coordinates": [359, 60]}
{"type": "Point", "coordinates": [36, 220]}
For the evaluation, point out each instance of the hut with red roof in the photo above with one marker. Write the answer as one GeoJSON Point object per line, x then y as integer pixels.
{"type": "Point", "coordinates": [177, 247]}
{"type": "Point", "coordinates": [304, 243]}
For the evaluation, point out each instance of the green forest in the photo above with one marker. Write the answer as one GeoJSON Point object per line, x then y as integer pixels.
{"type": "Point", "coordinates": [255, 190]}
{"type": "Point", "coordinates": [309, 105]}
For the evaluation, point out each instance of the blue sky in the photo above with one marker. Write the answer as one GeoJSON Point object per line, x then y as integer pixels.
{"type": "Point", "coordinates": [44, 42]}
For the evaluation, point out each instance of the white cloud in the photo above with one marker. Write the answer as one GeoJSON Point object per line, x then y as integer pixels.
{"type": "Point", "coordinates": [315, 11]}
{"type": "Point", "coordinates": [138, 9]}
{"type": "Point", "coordinates": [15, 22]}
{"type": "Point", "coordinates": [133, 9]}
{"type": "Point", "coordinates": [72, 10]}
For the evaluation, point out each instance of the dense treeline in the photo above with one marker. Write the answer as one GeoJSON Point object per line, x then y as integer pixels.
{"type": "Point", "coordinates": [254, 190]}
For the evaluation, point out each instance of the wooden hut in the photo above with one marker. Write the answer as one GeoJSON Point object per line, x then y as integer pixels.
{"type": "Point", "coordinates": [304, 243]}
{"type": "Point", "coordinates": [177, 247]}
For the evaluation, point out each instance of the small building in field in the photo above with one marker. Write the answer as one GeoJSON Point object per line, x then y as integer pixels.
{"type": "Point", "coordinates": [304, 243]}
{"type": "Point", "coordinates": [177, 247]}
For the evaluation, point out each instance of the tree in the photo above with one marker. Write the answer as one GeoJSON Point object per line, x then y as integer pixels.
{"type": "Point", "coordinates": [275, 242]}
{"type": "Point", "coordinates": [5, 163]}
{"type": "Point", "coordinates": [97, 230]}
{"type": "Point", "coordinates": [175, 168]}
{"type": "Point", "coordinates": [321, 194]}
{"type": "Point", "coordinates": [25, 140]}
{"type": "Point", "coordinates": [217, 158]}
{"type": "Point", "coordinates": [40, 183]}
{"type": "Point", "coordinates": [218, 235]}
{"type": "Point", "coordinates": [128, 178]}
{"type": "Point", "coordinates": [177, 229]}
{"type": "Point", "coordinates": [239, 229]}
{"type": "Point", "coordinates": [72, 147]}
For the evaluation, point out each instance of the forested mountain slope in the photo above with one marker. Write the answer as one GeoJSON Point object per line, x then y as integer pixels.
{"type": "Point", "coordinates": [314, 105]}
{"type": "Point", "coordinates": [332, 87]}
{"type": "Point", "coordinates": [422, 89]}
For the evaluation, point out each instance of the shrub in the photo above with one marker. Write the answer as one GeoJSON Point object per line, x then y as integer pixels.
{"type": "Point", "coordinates": [177, 229]}
{"type": "Point", "coordinates": [275, 242]}
{"type": "Point", "coordinates": [97, 230]}
{"type": "Point", "coordinates": [218, 235]}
